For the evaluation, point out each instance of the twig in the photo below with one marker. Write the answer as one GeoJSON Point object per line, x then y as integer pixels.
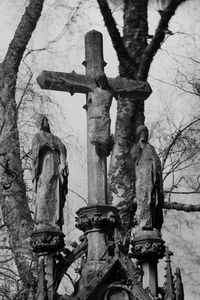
{"type": "Point", "coordinates": [158, 38]}
{"type": "Point", "coordinates": [122, 54]}
{"type": "Point", "coordinates": [78, 196]}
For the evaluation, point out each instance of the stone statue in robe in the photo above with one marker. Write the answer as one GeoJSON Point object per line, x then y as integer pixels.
{"type": "Point", "coordinates": [148, 182]}
{"type": "Point", "coordinates": [49, 176]}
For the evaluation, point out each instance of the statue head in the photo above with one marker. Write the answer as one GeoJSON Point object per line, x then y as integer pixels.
{"type": "Point", "coordinates": [142, 133]}
{"type": "Point", "coordinates": [101, 80]}
{"type": "Point", "coordinates": [42, 123]}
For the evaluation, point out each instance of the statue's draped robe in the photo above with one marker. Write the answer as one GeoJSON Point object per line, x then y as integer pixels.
{"type": "Point", "coordinates": [50, 180]}
{"type": "Point", "coordinates": [148, 186]}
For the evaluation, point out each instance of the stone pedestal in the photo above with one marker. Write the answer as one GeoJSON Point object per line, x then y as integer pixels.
{"type": "Point", "coordinates": [150, 277]}
{"type": "Point", "coordinates": [45, 244]}
{"type": "Point", "coordinates": [148, 248]}
{"type": "Point", "coordinates": [98, 223]}
{"type": "Point", "coordinates": [102, 217]}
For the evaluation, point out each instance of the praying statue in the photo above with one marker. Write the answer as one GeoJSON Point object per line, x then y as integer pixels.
{"type": "Point", "coordinates": [148, 182]}
{"type": "Point", "coordinates": [49, 176]}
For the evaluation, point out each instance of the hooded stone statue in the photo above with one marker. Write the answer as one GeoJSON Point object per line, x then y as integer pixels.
{"type": "Point", "coordinates": [148, 182]}
{"type": "Point", "coordinates": [49, 176]}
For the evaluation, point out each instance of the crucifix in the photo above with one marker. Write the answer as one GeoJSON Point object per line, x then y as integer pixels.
{"type": "Point", "coordinates": [99, 91]}
{"type": "Point", "coordinates": [98, 216]}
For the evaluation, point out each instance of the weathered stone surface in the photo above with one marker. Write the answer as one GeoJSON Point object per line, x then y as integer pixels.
{"type": "Point", "coordinates": [99, 102]}
{"type": "Point", "coordinates": [47, 242]}
{"type": "Point", "coordinates": [98, 126]}
{"type": "Point", "coordinates": [147, 244]}
{"type": "Point", "coordinates": [50, 177]}
{"type": "Point", "coordinates": [148, 186]}
{"type": "Point", "coordinates": [103, 217]}
{"type": "Point", "coordinates": [99, 221]}
{"type": "Point", "coordinates": [77, 83]}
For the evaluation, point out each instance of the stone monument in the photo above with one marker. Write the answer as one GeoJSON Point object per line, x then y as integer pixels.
{"type": "Point", "coordinates": [148, 246]}
{"type": "Point", "coordinates": [50, 181]}
{"type": "Point", "coordinates": [50, 177]}
{"type": "Point", "coordinates": [107, 271]}
{"type": "Point", "coordinates": [148, 182]}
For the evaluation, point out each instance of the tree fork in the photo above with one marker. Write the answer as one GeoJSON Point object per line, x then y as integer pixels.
{"type": "Point", "coordinates": [158, 38]}
{"type": "Point", "coordinates": [117, 41]}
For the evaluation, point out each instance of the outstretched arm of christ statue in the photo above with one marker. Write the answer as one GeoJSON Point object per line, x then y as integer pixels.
{"type": "Point", "coordinates": [78, 83]}
{"type": "Point", "coordinates": [99, 96]}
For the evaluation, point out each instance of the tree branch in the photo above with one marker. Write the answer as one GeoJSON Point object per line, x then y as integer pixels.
{"type": "Point", "coordinates": [78, 196]}
{"type": "Point", "coordinates": [181, 206]}
{"type": "Point", "coordinates": [175, 138]}
{"type": "Point", "coordinates": [157, 39]}
{"type": "Point", "coordinates": [23, 34]}
{"type": "Point", "coordinates": [14, 202]}
{"type": "Point", "coordinates": [115, 36]}
{"type": "Point", "coordinates": [24, 91]}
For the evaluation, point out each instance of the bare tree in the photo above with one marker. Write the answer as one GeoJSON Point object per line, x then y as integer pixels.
{"type": "Point", "coordinates": [14, 202]}
{"type": "Point", "coordinates": [135, 53]}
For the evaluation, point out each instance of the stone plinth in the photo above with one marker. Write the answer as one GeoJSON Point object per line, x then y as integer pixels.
{"type": "Point", "coordinates": [147, 248]}
{"type": "Point", "coordinates": [47, 242]}
{"type": "Point", "coordinates": [101, 217]}
{"type": "Point", "coordinates": [98, 222]}
{"type": "Point", "coordinates": [147, 245]}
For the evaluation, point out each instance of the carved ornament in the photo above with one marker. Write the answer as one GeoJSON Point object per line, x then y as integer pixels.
{"type": "Point", "coordinates": [101, 217]}
{"type": "Point", "coordinates": [47, 242]}
{"type": "Point", "coordinates": [148, 244]}
{"type": "Point", "coordinates": [148, 249]}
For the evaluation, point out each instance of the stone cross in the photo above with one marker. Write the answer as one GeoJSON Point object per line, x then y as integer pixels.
{"type": "Point", "coordinates": [76, 83]}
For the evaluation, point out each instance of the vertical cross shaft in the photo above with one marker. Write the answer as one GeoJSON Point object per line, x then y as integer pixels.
{"type": "Point", "coordinates": [97, 169]}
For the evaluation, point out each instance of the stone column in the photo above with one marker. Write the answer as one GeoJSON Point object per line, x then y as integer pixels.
{"type": "Point", "coordinates": [97, 165]}
{"type": "Point", "coordinates": [45, 244]}
{"type": "Point", "coordinates": [97, 222]}
{"type": "Point", "coordinates": [148, 248]}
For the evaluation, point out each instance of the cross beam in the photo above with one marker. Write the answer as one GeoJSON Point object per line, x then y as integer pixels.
{"type": "Point", "coordinates": [76, 83]}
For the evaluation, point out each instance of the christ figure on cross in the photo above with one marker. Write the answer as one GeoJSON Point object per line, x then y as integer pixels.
{"type": "Point", "coordinates": [98, 106]}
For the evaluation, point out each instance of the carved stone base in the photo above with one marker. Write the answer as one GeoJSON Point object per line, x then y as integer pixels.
{"type": "Point", "coordinates": [147, 244]}
{"type": "Point", "coordinates": [102, 217]}
{"type": "Point", "coordinates": [47, 242]}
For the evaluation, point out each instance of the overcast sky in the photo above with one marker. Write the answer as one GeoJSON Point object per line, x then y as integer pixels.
{"type": "Point", "coordinates": [67, 54]}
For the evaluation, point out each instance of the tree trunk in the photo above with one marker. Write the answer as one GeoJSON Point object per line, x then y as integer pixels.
{"type": "Point", "coordinates": [135, 65]}
{"type": "Point", "coordinates": [13, 199]}
{"type": "Point", "coordinates": [130, 113]}
{"type": "Point", "coordinates": [135, 33]}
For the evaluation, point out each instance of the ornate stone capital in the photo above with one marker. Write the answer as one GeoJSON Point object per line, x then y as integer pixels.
{"type": "Point", "coordinates": [147, 244]}
{"type": "Point", "coordinates": [101, 217]}
{"type": "Point", "coordinates": [47, 241]}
